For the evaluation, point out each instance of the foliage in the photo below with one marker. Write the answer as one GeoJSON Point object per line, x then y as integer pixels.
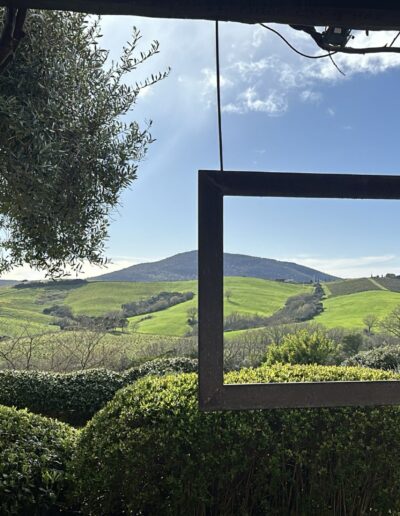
{"type": "Point", "coordinates": [108, 322]}
{"type": "Point", "coordinates": [385, 357]}
{"type": "Point", "coordinates": [59, 311]}
{"type": "Point", "coordinates": [75, 397]}
{"type": "Point", "coordinates": [150, 451]}
{"type": "Point", "coordinates": [303, 347]}
{"type": "Point", "coordinates": [65, 152]}
{"type": "Point", "coordinates": [391, 323]}
{"type": "Point", "coordinates": [351, 344]}
{"type": "Point", "coordinates": [155, 303]}
{"type": "Point", "coordinates": [34, 452]}
{"type": "Point", "coordinates": [63, 283]}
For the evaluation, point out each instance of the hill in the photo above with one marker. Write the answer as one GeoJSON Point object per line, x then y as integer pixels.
{"type": "Point", "coordinates": [23, 308]}
{"type": "Point", "coordinates": [345, 303]}
{"type": "Point", "coordinates": [183, 266]}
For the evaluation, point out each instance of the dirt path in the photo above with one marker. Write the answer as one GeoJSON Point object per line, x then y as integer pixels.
{"type": "Point", "coordinates": [374, 282]}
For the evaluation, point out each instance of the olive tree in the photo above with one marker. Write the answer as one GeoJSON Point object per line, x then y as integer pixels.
{"type": "Point", "coordinates": [67, 149]}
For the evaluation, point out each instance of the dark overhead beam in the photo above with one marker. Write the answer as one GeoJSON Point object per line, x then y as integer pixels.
{"type": "Point", "coordinates": [372, 14]}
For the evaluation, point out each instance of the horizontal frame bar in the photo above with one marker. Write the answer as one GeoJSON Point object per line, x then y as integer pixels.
{"type": "Point", "coordinates": [213, 393]}
{"type": "Point", "coordinates": [369, 14]}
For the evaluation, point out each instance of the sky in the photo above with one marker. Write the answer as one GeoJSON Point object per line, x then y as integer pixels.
{"type": "Point", "coordinates": [281, 112]}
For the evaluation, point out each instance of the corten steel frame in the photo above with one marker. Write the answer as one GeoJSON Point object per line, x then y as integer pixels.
{"type": "Point", "coordinates": [213, 393]}
{"type": "Point", "coordinates": [357, 14]}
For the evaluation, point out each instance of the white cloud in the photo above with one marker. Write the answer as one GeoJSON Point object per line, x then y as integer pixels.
{"type": "Point", "coordinates": [262, 69]}
{"type": "Point", "coordinates": [354, 267]}
{"type": "Point", "coordinates": [27, 273]}
{"type": "Point", "coordinates": [273, 104]}
{"type": "Point", "coordinates": [313, 97]}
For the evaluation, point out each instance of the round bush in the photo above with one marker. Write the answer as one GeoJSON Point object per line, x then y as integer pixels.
{"type": "Point", "coordinates": [386, 357]}
{"type": "Point", "coordinates": [34, 452]}
{"type": "Point", "coordinates": [70, 397]}
{"type": "Point", "coordinates": [150, 451]}
{"type": "Point", "coordinates": [75, 397]}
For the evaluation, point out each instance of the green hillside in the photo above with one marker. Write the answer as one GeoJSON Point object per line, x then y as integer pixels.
{"type": "Point", "coordinates": [24, 307]}
{"type": "Point", "coordinates": [348, 311]}
{"type": "Point", "coordinates": [249, 295]}
{"type": "Point", "coordinates": [346, 302]}
{"type": "Point", "coordinates": [99, 297]}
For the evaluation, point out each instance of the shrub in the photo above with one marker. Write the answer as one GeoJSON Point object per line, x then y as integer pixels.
{"type": "Point", "coordinates": [34, 452]}
{"type": "Point", "coordinates": [150, 451]}
{"type": "Point", "coordinates": [303, 347]}
{"type": "Point", "coordinates": [387, 357]}
{"type": "Point", "coordinates": [160, 367]}
{"type": "Point", "coordinates": [75, 397]}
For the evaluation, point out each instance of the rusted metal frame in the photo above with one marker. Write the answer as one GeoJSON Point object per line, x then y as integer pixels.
{"type": "Point", "coordinates": [367, 14]}
{"type": "Point", "coordinates": [213, 393]}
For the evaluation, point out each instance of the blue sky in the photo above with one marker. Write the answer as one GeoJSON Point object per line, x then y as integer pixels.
{"type": "Point", "coordinates": [281, 112]}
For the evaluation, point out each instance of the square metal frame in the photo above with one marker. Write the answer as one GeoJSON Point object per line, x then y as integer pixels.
{"type": "Point", "coordinates": [213, 393]}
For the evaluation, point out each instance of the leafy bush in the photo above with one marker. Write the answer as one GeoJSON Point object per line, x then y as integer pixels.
{"type": "Point", "coordinates": [34, 452]}
{"type": "Point", "coordinates": [387, 357]}
{"type": "Point", "coordinates": [75, 397]}
{"type": "Point", "coordinates": [303, 347]}
{"type": "Point", "coordinates": [160, 367]}
{"type": "Point", "coordinates": [59, 311]}
{"type": "Point", "coordinates": [150, 451]}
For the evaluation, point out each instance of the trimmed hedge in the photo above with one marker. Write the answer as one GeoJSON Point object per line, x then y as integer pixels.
{"type": "Point", "coordinates": [150, 451]}
{"type": "Point", "coordinates": [34, 452]}
{"type": "Point", "coordinates": [75, 397]}
{"type": "Point", "coordinates": [386, 357]}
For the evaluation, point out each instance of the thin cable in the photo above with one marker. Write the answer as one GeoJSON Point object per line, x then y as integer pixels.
{"type": "Point", "coordinates": [336, 66]}
{"type": "Point", "coordinates": [221, 149]}
{"type": "Point", "coordinates": [295, 49]}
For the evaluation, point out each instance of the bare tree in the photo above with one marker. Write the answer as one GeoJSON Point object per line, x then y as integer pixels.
{"type": "Point", "coordinates": [370, 321]}
{"type": "Point", "coordinates": [391, 323]}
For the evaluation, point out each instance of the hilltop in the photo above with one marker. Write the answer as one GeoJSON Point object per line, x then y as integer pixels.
{"type": "Point", "coordinates": [183, 266]}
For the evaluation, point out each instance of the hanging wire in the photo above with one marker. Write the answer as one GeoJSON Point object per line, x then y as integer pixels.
{"type": "Point", "coordinates": [221, 149]}
{"type": "Point", "coordinates": [295, 49]}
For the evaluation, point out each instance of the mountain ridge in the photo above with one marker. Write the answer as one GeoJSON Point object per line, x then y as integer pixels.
{"type": "Point", "coordinates": [183, 266]}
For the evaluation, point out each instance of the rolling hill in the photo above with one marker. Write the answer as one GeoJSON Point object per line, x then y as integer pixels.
{"type": "Point", "coordinates": [346, 302]}
{"type": "Point", "coordinates": [183, 266]}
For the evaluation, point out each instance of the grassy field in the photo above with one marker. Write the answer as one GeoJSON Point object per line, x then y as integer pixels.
{"type": "Point", "coordinates": [349, 310]}
{"type": "Point", "coordinates": [249, 295]}
{"type": "Point", "coordinates": [22, 309]}
{"type": "Point", "coordinates": [99, 297]}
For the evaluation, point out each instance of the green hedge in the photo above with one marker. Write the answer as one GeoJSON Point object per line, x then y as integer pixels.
{"type": "Point", "coordinates": [75, 397]}
{"type": "Point", "coordinates": [386, 357]}
{"type": "Point", "coordinates": [150, 451]}
{"type": "Point", "coordinates": [34, 452]}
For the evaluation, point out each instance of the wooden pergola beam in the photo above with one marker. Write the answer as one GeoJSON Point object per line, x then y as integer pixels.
{"type": "Point", "coordinates": [371, 14]}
